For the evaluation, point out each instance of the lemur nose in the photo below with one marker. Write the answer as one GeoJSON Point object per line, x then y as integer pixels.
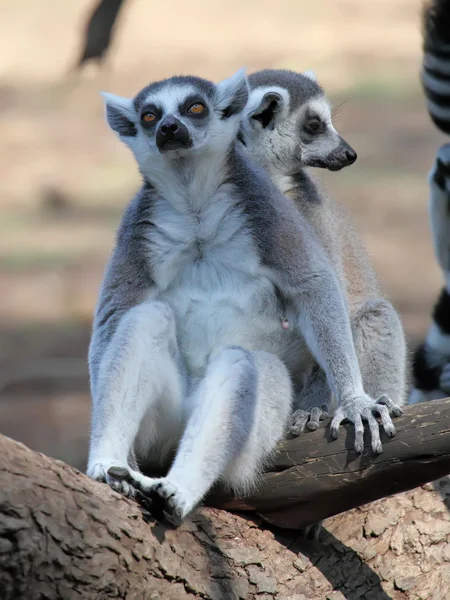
{"type": "Point", "coordinates": [351, 156]}
{"type": "Point", "coordinates": [169, 127]}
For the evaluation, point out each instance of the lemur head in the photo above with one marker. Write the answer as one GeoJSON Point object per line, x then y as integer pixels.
{"type": "Point", "coordinates": [178, 117]}
{"type": "Point", "coordinates": [287, 124]}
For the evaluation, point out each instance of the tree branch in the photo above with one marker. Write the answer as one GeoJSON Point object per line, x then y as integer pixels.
{"type": "Point", "coordinates": [64, 536]}
{"type": "Point", "coordinates": [315, 478]}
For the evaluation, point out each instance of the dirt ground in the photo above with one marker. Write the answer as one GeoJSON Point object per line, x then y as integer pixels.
{"type": "Point", "coordinates": [65, 179]}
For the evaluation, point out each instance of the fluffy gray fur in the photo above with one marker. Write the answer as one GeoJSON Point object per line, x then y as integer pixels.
{"type": "Point", "coordinates": [282, 144]}
{"type": "Point", "coordinates": [188, 354]}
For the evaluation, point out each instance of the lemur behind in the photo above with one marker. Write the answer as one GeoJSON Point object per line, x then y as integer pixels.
{"type": "Point", "coordinates": [188, 354]}
{"type": "Point", "coordinates": [288, 127]}
{"type": "Point", "coordinates": [431, 364]}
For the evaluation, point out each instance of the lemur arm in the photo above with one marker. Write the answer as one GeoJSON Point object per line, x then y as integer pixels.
{"type": "Point", "coordinates": [127, 283]}
{"type": "Point", "coordinates": [321, 313]}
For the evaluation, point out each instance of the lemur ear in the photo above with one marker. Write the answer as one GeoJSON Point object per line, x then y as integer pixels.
{"type": "Point", "coordinates": [120, 114]}
{"type": "Point", "coordinates": [310, 75]}
{"type": "Point", "coordinates": [264, 114]}
{"type": "Point", "coordinates": [232, 94]}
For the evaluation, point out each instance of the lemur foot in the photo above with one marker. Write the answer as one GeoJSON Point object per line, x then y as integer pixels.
{"type": "Point", "coordinates": [119, 478]}
{"type": "Point", "coordinates": [307, 418]}
{"type": "Point", "coordinates": [444, 379]}
{"type": "Point", "coordinates": [169, 502]}
{"type": "Point", "coordinates": [359, 408]}
{"type": "Point", "coordinates": [165, 499]}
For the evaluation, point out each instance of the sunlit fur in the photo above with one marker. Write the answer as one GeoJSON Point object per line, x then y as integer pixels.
{"type": "Point", "coordinates": [188, 355]}
{"type": "Point", "coordinates": [281, 145]}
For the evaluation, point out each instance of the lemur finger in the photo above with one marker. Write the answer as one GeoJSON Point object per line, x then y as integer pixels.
{"type": "Point", "coordinates": [386, 420]}
{"type": "Point", "coordinates": [314, 419]}
{"type": "Point", "coordinates": [359, 434]}
{"type": "Point", "coordinates": [393, 408]}
{"type": "Point", "coordinates": [336, 423]}
{"type": "Point", "coordinates": [325, 414]}
{"type": "Point", "coordinates": [123, 488]}
{"type": "Point", "coordinates": [299, 420]}
{"type": "Point", "coordinates": [377, 446]}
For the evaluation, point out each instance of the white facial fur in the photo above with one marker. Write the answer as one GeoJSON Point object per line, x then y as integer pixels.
{"type": "Point", "coordinates": [285, 147]}
{"type": "Point", "coordinates": [214, 135]}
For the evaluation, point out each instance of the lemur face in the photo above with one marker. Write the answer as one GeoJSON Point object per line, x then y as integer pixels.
{"type": "Point", "coordinates": [178, 117]}
{"type": "Point", "coordinates": [287, 124]}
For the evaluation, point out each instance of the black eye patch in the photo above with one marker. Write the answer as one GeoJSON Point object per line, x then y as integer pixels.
{"type": "Point", "coordinates": [186, 105]}
{"type": "Point", "coordinates": [155, 110]}
{"type": "Point", "coordinates": [313, 125]}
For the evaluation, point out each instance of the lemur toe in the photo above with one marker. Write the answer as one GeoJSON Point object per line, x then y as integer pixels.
{"type": "Point", "coordinates": [119, 473]}
{"type": "Point", "coordinates": [123, 488]}
{"type": "Point", "coordinates": [164, 506]}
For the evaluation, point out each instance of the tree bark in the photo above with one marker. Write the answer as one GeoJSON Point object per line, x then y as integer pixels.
{"type": "Point", "coordinates": [315, 478]}
{"type": "Point", "coordinates": [65, 536]}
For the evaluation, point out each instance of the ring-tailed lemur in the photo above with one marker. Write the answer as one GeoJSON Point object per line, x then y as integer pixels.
{"type": "Point", "coordinates": [431, 363]}
{"type": "Point", "coordinates": [287, 127]}
{"type": "Point", "coordinates": [188, 350]}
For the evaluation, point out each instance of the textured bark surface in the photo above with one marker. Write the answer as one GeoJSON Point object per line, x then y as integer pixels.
{"type": "Point", "coordinates": [64, 536]}
{"type": "Point", "coordinates": [315, 478]}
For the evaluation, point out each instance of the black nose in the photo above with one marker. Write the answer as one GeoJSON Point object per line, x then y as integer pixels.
{"type": "Point", "coordinates": [168, 128]}
{"type": "Point", "coordinates": [351, 156]}
{"type": "Point", "coordinates": [172, 134]}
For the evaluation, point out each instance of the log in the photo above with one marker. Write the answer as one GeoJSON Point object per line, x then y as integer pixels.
{"type": "Point", "coordinates": [64, 536]}
{"type": "Point", "coordinates": [315, 477]}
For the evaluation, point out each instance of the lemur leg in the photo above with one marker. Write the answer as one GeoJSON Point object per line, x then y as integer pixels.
{"type": "Point", "coordinates": [240, 411]}
{"type": "Point", "coordinates": [381, 350]}
{"type": "Point", "coordinates": [139, 376]}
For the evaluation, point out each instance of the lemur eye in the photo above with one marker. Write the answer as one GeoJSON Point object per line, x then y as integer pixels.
{"type": "Point", "coordinates": [148, 117]}
{"type": "Point", "coordinates": [313, 126]}
{"type": "Point", "coordinates": [196, 108]}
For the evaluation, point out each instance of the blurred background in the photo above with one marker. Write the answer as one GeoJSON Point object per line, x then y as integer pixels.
{"type": "Point", "coordinates": [65, 179]}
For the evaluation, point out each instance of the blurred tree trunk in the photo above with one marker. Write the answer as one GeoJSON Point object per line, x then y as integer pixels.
{"type": "Point", "coordinates": [65, 536]}
{"type": "Point", "coordinates": [99, 30]}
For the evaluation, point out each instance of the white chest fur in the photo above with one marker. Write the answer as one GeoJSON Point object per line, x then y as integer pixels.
{"type": "Point", "coordinates": [207, 267]}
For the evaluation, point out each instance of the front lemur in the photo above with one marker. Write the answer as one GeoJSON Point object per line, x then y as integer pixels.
{"type": "Point", "coordinates": [431, 363]}
{"type": "Point", "coordinates": [288, 126]}
{"type": "Point", "coordinates": [188, 352]}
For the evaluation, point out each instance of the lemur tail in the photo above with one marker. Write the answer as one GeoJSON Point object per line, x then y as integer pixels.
{"type": "Point", "coordinates": [432, 356]}
{"type": "Point", "coordinates": [436, 61]}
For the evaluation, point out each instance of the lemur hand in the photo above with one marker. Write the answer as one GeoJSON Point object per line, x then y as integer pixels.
{"type": "Point", "coordinates": [310, 406]}
{"type": "Point", "coordinates": [309, 418]}
{"type": "Point", "coordinates": [362, 408]}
